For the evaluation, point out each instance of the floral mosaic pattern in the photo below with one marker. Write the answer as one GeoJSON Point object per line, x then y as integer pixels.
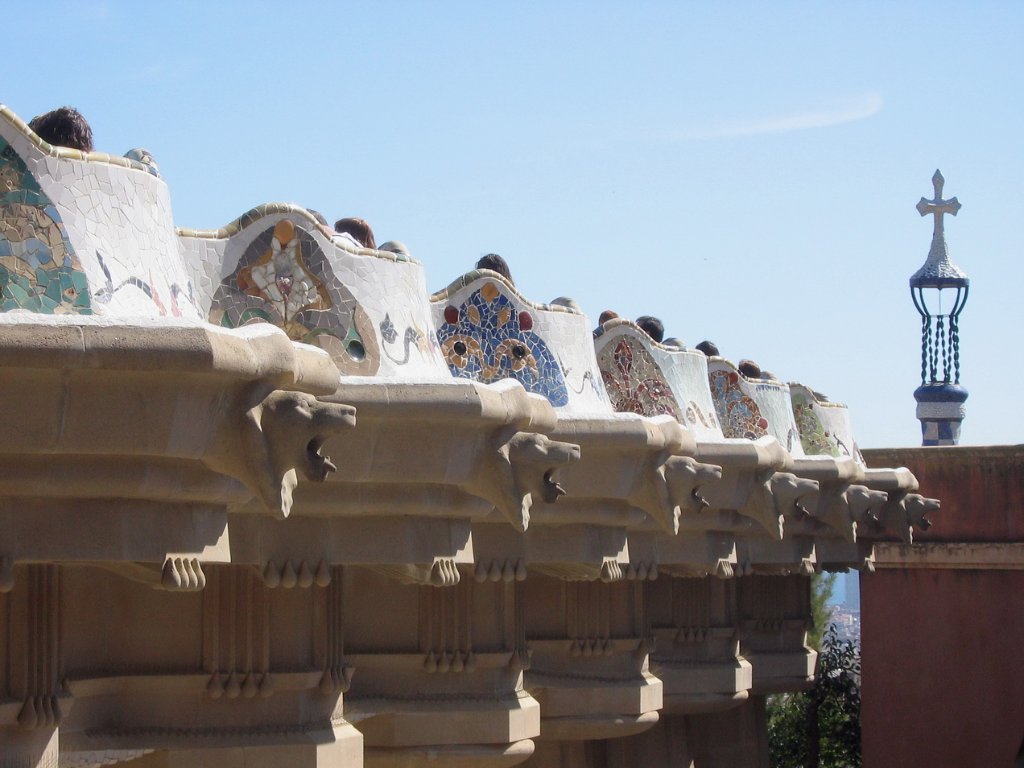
{"type": "Point", "coordinates": [814, 438]}
{"type": "Point", "coordinates": [737, 412]}
{"type": "Point", "coordinates": [39, 271]}
{"type": "Point", "coordinates": [284, 278]}
{"type": "Point", "coordinates": [486, 340]}
{"type": "Point", "coordinates": [634, 381]}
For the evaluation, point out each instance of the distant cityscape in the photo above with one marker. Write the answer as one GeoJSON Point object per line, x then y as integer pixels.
{"type": "Point", "coordinates": [845, 605]}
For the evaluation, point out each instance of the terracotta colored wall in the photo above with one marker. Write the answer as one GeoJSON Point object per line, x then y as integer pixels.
{"type": "Point", "coordinates": [981, 489]}
{"type": "Point", "coordinates": [943, 677]}
{"type": "Point", "coordinates": [943, 673]}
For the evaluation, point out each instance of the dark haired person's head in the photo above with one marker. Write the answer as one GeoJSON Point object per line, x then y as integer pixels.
{"type": "Point", "coordinates": [319, 217]}
{"type": "Point", "coordinates": [750, 369]}
{"type": "Point", "coordinates": [495, 263]}
{"type": "Point", "coordinates": [359, 229]}
{"type": "Point", "coordinates": [64, 127]}
{"type": "Point", "coordinates": [606, 316]}
{"type": "Point", "coordinates": [652, 326]}
{"type": "Point", "coordinates": [709, 348]}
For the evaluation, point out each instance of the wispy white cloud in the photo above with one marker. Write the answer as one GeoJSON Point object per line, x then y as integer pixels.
{"type": "Point", "coordinates": [838, 112]}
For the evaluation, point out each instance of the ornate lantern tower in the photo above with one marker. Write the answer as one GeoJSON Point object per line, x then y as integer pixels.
{"type": "Point", "coordinates": [939, 289]}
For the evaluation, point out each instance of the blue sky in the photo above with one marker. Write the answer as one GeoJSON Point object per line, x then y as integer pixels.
{"type": "Point", "coordinates": [746, 171]}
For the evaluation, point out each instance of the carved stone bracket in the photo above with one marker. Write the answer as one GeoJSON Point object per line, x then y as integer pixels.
{"type": "Point", "coordinates": [236, 684]}
{"type": "Point", "coordinates": [904, 512]}
{"type": "Point", "coordinates": [453, 661]}
{"type": "Point", "coordinates": [291, 574]}
{"type": "Point", "coordinates": [688, 481]}
{"type": "Point", "coordinates": [527, 464]}
{"type": "Point", "coordinates": [182, 574]}
{"type": "Point", "coordinates": [591, 646]}
{"type": "Point", "coordinates": [442, 572]}
{"type": "Point", "coordinates": [336, 679]}
{"type": "Point", "coordinates": [856, 505]}
{"type": "Point", "coordinates": [268, 444]}
{"type": "Point", "coordinates": [778, 495]}
{"type": "Point", "coordinates": [671, 485]}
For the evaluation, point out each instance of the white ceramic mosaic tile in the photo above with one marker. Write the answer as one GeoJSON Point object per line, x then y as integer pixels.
{"type": "Point", "coordinates": [86, 234]}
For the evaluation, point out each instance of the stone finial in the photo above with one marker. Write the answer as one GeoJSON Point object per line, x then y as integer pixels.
{"type": "Point", "coordinates": [938, 270]}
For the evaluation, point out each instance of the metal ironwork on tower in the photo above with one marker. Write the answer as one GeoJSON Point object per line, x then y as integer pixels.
{"type": "Point", "coordinates": [939, 290]}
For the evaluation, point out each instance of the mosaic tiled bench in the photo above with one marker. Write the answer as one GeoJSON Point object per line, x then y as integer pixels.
{"type": "Point", "coordinates": [643, 376]}
{"type": "Point", "coordinates": [430, 455]}
{"type": "Point", "coordinates": [697, 622]}
{"type": "Point", "coordinates": [133, 427]}
{"type": "Point", "coordinates": [634, 473]}
{"type": "Point", "coordinates": [368, 310]}
{"type": "Point", "coordinates": [175, 386]}
{"type": "Point", "coordinates": [98, 314]}
{"type": "Point", "coordinates": [825, 430]}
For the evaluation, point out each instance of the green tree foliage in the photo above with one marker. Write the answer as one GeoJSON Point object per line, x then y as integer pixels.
{"type": "Point", "coordinates": [820, 728]}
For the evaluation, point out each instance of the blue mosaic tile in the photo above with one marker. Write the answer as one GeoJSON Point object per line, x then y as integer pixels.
{"type": "Point", "coordinates": [487, 340]}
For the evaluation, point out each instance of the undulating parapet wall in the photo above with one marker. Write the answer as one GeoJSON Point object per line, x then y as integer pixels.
{"type": "Point", "coordinates": [824, 426]}
{"type": "Point", "coordinates": [85, 233]}
{"type": "Point", "coordinates": [276, 264]}
{"type": "Point", "coordinates": [265, 500]}
{"type": "Point", "coordinates": [643, 376]}
{"type": "Point", "coordinates": [489, 332]}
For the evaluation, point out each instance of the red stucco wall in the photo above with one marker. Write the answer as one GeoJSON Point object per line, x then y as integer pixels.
{"type": "Point", "coordinates": [942, 655]}
{"type": "Point", "coordinates": [981, 489]}
{"type": "Point", "coordinates": [943, 649]}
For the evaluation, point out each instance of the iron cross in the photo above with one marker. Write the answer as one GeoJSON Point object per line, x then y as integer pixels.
{"type": "Point", "coordinates": [938, 206]}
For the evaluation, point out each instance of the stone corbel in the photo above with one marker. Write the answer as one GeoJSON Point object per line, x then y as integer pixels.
{"type": "Point", "coordinates": [794, 496]}
{"type": "Point", "coordinates": [862, 505]}
{"type": "Point", "coordinates": [442, 572]}
{"type": "Point", "coordinates": [267, 445]}
{"type": "Point", "coordinates": [653, 492]}
{"type": "Point", "coordinates": [776, 495]}
{"type": "Point", "coordinates": [904, 512]}
{"type": "Point", "coordinates": [177, 574]}
{"type": "Point", "coordinates": [44, 711]}
{"type": "Point", "coordinates": [688, 480]}
{"type": "Point", "coordinates": [525, 469]}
